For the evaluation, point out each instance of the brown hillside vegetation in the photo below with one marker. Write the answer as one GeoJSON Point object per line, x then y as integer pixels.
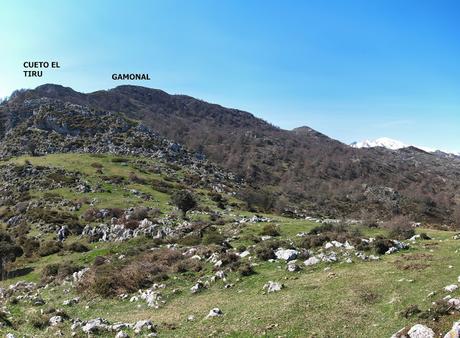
{"type": "Point", "coordinates": [300, 169]}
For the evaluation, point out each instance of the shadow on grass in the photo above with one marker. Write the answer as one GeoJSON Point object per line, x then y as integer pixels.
{"type": "Point", "coordinates": [16, 273]}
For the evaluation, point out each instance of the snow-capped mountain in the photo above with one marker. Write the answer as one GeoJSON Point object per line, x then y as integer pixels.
{"type": "Point", "coordinates": [391, 144]}
{"type": "Point", "coordinates": [384, 142]}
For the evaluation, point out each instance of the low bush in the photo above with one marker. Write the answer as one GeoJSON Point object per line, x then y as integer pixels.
{"type": "Point", "coordinates": [4, 321]}
{"type": "Point", "coordinates": [270, 230]}
{"type": "Point", "coordinates": [191, 239]}
{"type": "Point", "coordinates": [58, 271]}
{"type": "Point", "coordinates": [133, 178]}
{"type": "Point", "coordinates": [381, 245]}
{"type": "Point", "coordinates": [39, 321]}
{"type": "Point", "coordinates": [265, 251]}
{"type": "Point", "coordinates": [400, 228]}
{"type": "Point", "coordinates": [29, 245]}
{"type": "Point", "coordinates": [77, 247]}
{"type": "Point", "coordinates": [49, 248]}
{"type": "Point", "coordinates": [212, 236]}
{"type": "Point", "coordinates": [139, 213]}
{"type": "Point", "coordinates": [246, 269]}
{"type": "Point", "coordinates": [138, 272]}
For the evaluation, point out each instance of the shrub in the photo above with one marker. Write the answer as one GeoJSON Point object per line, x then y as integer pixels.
{"type": "Point", "coordinates": [190, 240]}
{"type": "Point", "coordinates": [381, 245]}
{"type": "Point", "coordinates": [269, 230]}
{"type": "Point", "coordinates": [29, 245]}
{"type": "Point", "coordinates": [241, 248]}
{"type": "Point", "coordinates": [246, 269]}
{"type": "Point", "coordinates": [328, 227]}
{"type": "Point", "coordinates": [400, 228]}
{"type": "Point", "coordinates": [424, 236]}
{"type": "Point", "coordinates": [97, 165]}
{"type": "Point", "coordinates": [265, 251]}
{"type": "Point", "coordinates": [9, 251]}
{"type": "Point", "coordinates": [58, 271]}
{"type": "Point", "coordinates": [139, 213]}
{"type": "Point", "coordinates": [213, 237]}
{"type": "Point", "coordinates": [136, 179]}
{"type": "Point", "coordinates": [136, 273]}
{"type": "Point", "coordinates": [116, 212]}
{"type": "Point", "coordinates": [131, 224]}
{"type": "Point", "coordinates": [188, 265]}
{"type": "Point", "coordinates": [4, 321]}
{"type": "Point", "coordinates": [99, 260]}
{"type": "Point", "coordinates": [229, 259]}
{"type": "Point", "coordinates": [314, 241]}
{"type": "Point", "coordinates": [39, 321]}
{"type": "Point", "coordinates": [49, 248]}
{"type": "Point", "coordinates": [91, 215]}
{"type": "Point", "coordinates": [184, 200]}
{"type": "Point", "coordinates": [77, 247]}
{"type": "Point", "coordinates": [119, 160]}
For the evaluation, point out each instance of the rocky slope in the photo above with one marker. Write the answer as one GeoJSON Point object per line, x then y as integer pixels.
{"type": "Point", "coordinates": [295, 169]}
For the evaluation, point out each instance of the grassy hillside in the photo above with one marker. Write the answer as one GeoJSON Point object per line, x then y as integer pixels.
{"type": "Point", "coordinates": [360, 299]}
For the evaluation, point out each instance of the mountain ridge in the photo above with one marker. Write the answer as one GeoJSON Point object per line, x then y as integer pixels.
{"type": "Point", "coordinates": [301, 168]}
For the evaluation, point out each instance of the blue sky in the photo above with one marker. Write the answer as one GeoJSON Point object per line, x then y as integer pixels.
{"type": "Point", "coordinates": [350, 69]}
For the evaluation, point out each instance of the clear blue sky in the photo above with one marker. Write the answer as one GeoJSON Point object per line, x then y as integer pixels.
{"type": "Point", "coordinates": [350, 69]}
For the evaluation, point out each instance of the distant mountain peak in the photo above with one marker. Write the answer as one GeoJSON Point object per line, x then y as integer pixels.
{"type": "Point", "coordinates": [384, 142]}
{"type": "Point", "coordinates": [388, 143]}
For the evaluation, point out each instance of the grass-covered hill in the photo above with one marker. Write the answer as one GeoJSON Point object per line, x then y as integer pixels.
{"type": "Point", "coordinates": [333, 279]}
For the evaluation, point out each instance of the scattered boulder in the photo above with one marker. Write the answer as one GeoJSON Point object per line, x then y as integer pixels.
{"type": "Point", "coordinates": [197, 287]}
{"type": "Point", "coordinates": [292, 267]}
{"type": "Point", "coordinates": [420, 331]}
{"type": "Point", "coordinates": [121, 334]}
{"type": "Point", "coordinates": [286, 254]}
{"type": "Point", "coordinates": [95, 325]}
{"type": "Point", "coordinates": [71, 302]}
{"type": "Point", "coordinates": [273, 287]}
{"type": "Point", "coordinates": [312, 261]}
{"type": "Point", "coordinates": [451, 287]}
{"type": "Point", "coordinates": [143, 325]}
{"type": "Point", "coordinates": [216, 312]}
{"type": "Point", "coordinates": [454, 331]}
{"type": "Point", "coordinates": [56, 320]}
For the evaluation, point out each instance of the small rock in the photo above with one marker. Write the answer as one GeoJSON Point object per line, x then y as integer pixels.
{"type": "Point", "coordinates": [216, 312]}
{"type": "Point", "coordinates": [420, 331]}
{"type": "Point", "coordinates": [451, 287]}
{"type": "Point", "coordinates": [312, 261]}
{"type": "Point", "coordinates": [56, 320]}
{"type": "Point", "coordinates": [454, 332]}
{"type": "Point", "coordinates": [292, 267]}
{"type": "Point", "coordinates": [121, 334]}
{"type": "Point", "coordinates": [273, 286]}
{"type": "Point", "coordinates": [286, 254]}
{"type": "Point", "coordinates": [197, 287]}
{"type": "Point", "coordinates": [143, 325]}
{"type": "Point", "coordinates": [95, 325]}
